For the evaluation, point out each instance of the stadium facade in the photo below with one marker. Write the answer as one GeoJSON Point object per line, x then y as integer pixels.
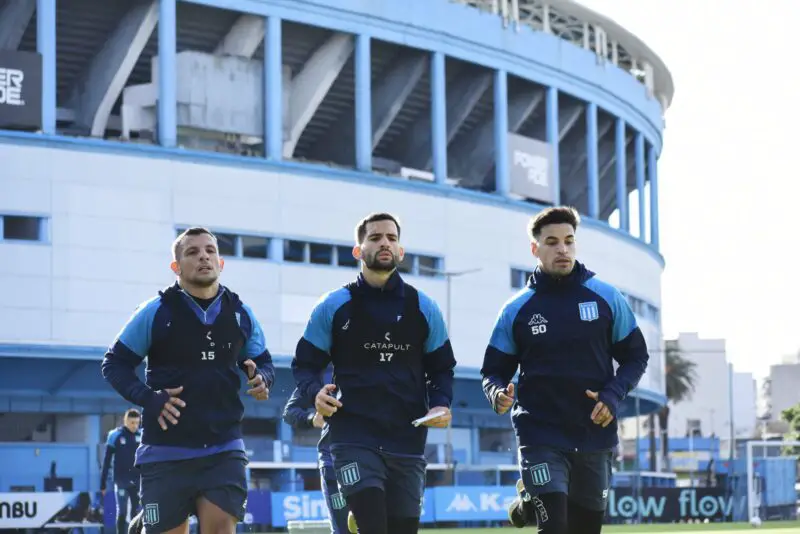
{"type": "Point", "coordinates": [278, 124]}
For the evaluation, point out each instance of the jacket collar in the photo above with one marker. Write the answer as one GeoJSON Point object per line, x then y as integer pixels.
{"type": "Point", "coordinates": [541, 281]}
{"type": "Point", "coordinates": [395, 286]}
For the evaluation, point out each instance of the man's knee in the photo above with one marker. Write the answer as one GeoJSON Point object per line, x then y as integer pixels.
{"type": "Point", "coordinates": [551, 512]}
{"type": "Point", "coordinates": [584, 520]}
{"type": "Point", "coordinates": [369, 509]}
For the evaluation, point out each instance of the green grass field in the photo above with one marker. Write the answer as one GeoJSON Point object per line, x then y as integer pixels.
{"type": "Point", "coordinates": [782, 527]}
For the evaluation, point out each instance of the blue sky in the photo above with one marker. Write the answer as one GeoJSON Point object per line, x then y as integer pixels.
{"type": "Point", "coordinates": [729, 175]}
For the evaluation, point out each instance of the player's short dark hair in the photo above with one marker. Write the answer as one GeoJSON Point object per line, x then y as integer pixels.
{"type": "Point", "coordinates": [554, 215]}
{"type": "Point", "coordinates": [133, 413]}
{"type": "Point", "coordinates": [177, 245]}
{"type": "Point", "coordinates": [361, 227]}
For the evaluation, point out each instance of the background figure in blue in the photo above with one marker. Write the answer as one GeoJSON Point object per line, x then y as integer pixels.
{"type": "Point", "coordinates": [563, 332]}
{"type": "Point", "coordinates": [392, 363]}
{"type": "Point", "coordinates": [121, 451]}
{"type": "Point", "coordinates": [300, 414]}
{"type": "Point", "coordinates": [195, 335]}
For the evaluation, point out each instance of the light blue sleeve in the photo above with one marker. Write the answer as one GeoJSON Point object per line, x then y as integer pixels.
{"type": "Point", "coordinates": [624, 320]}
{"type": "Point", "coordinates": [137, 333]}
{"type": "Point", "coordinates": [437, 330]}
{"type": "Point", "coordinates": [111, 440]}
{"type": "Point", "coordinates": [256, 344]}
{"type": "Point", "coordinates": [318, 331]}
{"type": "Point", "coordinates": [503, 333]}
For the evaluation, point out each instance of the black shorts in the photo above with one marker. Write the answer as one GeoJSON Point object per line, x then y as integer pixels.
{"type": "Point", "coordinates": [402, 478]}
{"type": "Point", "coordinates": [584, 476]}
{"type": "Point", "coordinates": [170, 489]}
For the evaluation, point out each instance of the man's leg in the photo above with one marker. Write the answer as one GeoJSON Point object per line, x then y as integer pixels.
{"type": "Point", "coordinates": [405, 489]}
{"type": "Point", "coordinates": [166, 498]}
{"type": "Point", "coordinates": [588, 492]}
{"type": "Point", "coordinates": [221, 480]}
{"type": "Point", "coordinates": [334, 499]}
{"type": "Point", "coordinates": [545, 475]}
{"type": "Point", "coordinates": [121, 495]}
{"type": "Point", "coordinates": [133, 495]}
{"type": "Point", "coordinates": [361, 474]}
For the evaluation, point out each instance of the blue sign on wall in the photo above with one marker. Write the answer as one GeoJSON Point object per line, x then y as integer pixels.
{"type": "Point", "coordinates": [472, 503]}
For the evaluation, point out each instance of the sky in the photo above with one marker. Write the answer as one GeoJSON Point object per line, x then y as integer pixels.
{"type": "Point", "coordinates": [728, 174]}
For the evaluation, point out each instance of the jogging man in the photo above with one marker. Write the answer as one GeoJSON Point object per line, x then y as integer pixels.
{"type": "Point", "coordinates": [562, 332]}
{"type": "Point", "coordinates": [392, 364]}
{"type": "Point", "coordinates": [121, 451]}
{"type": "Point", "coordinates": [298, 414]}
{"type": "Point", "coordinates": [194, 335]}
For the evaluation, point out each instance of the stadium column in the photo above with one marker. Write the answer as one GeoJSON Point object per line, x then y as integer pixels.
{"type": "Point", "coordinates": [439, 118]}
{"type": "Point", "coordinates": [593, 191]}
{"type": "Point", "coordinates": [639, 165]}
{"type": "Point", "coordinates": [93, 439]}
{"type": "Point", "coordinates": [502, 179]}
{"type": "Point", "coordinates": [553, 139]}
{"type": "Point", "coordinates": [622, 177]}
{"type": "Point", "coordinates": [273, 85]}
{"type": "Point", "coordinates": [46, 46]}
{"type": "Point", "coordinates": [652, 172]}
{"type": "Point", "coordinates": [167, 77]}
{"type": "Point", "coordinates": [363, 98]}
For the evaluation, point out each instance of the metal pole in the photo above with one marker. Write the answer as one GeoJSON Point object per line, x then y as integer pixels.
{"type": "Point", "coordinates": [638, 486]}
{"type": "Point", "coordinates": [449, 450]}
{"type": "Point", "coordinates": [750, 497]}
{"type": "Point", "coordinates": [732, 447]}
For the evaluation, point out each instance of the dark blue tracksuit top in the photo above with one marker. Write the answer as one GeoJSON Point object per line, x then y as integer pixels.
{"type": "Point", "coordinates": [121, 448]}
{"type": "Point", "coordinates": [199, 344]}
{"type": "Point", "coordinates": [563, 335]}
{"type": "Point", "coordinates": [392, 362]}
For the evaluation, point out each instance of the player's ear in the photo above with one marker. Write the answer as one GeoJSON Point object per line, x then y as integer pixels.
{"type": "Point", "coordinates": [357, 252]}
{"type": "Point", "coordinates": [221, 263]}
{"type": "Point", "coordinates": [175, 268]}
{"type": "Point", "coordinates": [534, 248]}
{"type": "Point", "coordinates": [401, 255]}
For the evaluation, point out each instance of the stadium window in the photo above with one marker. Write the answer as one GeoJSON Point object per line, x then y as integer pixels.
{"type": "Point", "coordinates": [22, 227]}
{"type": "Point", "coordinates": [407, 265]}
{"type": "Point", "coordinates": [320, 254]}
{"type": "Point", "coordinates": [255, 247]}
{"type": "Point", "coordinates": [428, 266]}
{"type": "Point", "coordinates": [294, 251]}
{"type": "Point", "coordinates": [344, 257]}
{"type": "Point", "coordinates": [519, 278]}
{"type": "Point", "coordinates": [226, 244]}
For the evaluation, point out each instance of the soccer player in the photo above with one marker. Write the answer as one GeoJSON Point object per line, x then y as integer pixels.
{"type": "Point", "coordinates": [194, 335]}
{"type": "Point", "coordinates": [392, 364]}
{"type": "Point", "coordinates": [121, 449]}
{"type": "Point", "coordinates": [299, 414]}
{"type": "Point", "coordinates": [562, 332]}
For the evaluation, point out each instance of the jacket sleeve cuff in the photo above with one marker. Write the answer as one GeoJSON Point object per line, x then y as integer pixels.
{"type": "Point", "coordinates": [610, 399]}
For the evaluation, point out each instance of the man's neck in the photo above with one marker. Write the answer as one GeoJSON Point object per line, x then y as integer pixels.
{"type": "Point", "coordinates": [200, 292]}
{"type": "Point", "coordinates": [376, 279]}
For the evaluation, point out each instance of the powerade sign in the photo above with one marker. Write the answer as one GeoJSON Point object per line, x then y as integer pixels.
{"type": "Point", "coordinates": [20, 90]}
{"type": "Point", "coordinates": [310, 506]}
{"type": "Point", "coordinates": [672, 504]}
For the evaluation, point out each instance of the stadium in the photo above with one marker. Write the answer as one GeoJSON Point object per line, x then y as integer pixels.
{"type": "Point", "coordinates": [272, 123]}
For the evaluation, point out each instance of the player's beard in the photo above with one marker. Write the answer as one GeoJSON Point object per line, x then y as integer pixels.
{"type": "Point", "coordinates": [373, 263]}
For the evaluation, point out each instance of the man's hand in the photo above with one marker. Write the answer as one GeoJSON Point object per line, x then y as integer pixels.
{"type": "Point", "coordinates": [103, 492]}
{"type": "Point", "coordinates": [505, 399]}
{"type": "Point", "coordinates": [601, 415]}
{"type": "Point", "coordinates": [325, 403]}
{"type": "Point", "coordinates": [259, 389]}
{"type": "Point", "coordinates": [318, 421]}
{"type": "Point", "coordinates": [170, 410]}
{"type": "Point", "coordinates": [439, 422]}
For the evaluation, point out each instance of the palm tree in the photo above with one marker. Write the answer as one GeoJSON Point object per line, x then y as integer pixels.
{"type": "Point", "coordinates": [680, 377]}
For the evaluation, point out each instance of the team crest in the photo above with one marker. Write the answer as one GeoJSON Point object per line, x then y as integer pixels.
{"type": "Point", "coordinates": [588, 311]}
{"type": "Point", "coordinates": [540, 474]}
{"type": "Point", "coordinates": [151, 514]}
{"type": "Point", "coordinates": [349, 474]}
{"type": "Point", "coordinates": [337, 501]}
{"type": "Point", "coordinates": [122, 441]}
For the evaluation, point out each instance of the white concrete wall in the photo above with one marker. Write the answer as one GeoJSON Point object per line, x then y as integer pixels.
{"type": "Point", "coordinates": [113, 218]}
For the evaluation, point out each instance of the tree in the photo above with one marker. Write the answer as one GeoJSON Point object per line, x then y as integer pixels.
{"type": "Point", "coordinates": [680, 377]}
{"type": "Point", "coordinates": [792, 416]}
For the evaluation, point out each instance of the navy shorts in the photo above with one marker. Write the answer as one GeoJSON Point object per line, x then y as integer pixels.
{"type": "Point", "coordinates": [402, 478]}
{"type": "Point", "coordinates": [170, 489]}
{"type": "Point", "coordinates": [584, 476]}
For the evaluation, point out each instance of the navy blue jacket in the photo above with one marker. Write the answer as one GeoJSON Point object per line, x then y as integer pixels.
{"type": "Point", "coordinates": [121, 448]}
{"type": "Point", "coordinates": [396, 394]}
{"type": "Point", "coordinates": [199, 349]}
{"type": "Point", "coordinates": [298, 413]}
{"type": "Point", "coordinates": [563, 335]}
